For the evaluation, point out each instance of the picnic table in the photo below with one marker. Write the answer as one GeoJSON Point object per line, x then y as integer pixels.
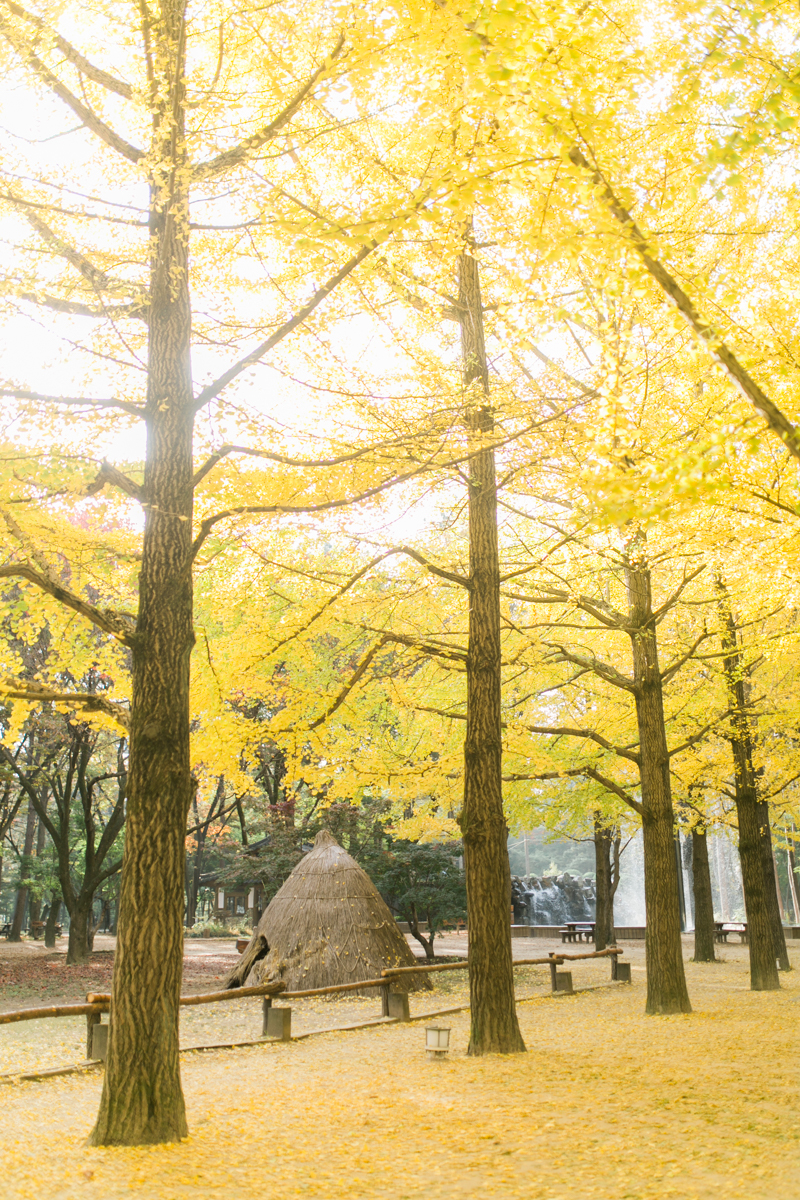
{"type": "Point", "coordinates": [723, 928]}
{"type": "Point", "coordinates": [577, 931]}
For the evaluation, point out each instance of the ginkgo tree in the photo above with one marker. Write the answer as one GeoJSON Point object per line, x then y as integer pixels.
{"type": "Point", "coordinates": [212, 205]}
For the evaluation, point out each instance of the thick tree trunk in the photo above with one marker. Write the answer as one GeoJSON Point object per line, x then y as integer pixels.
{"type": "Point", "coordinates": [78, 947]}
{"type": "Point", "coordinates": [142, 1100]}
{"type": "Point", "coordinates": [771, 886]}
{"type": "Point", "coordinates": [790, 867]}
{"type": "Point", "coordinates": [41, 841]}
{"type": "Point", "coordinates": [604, 904]}
{"type": "Point", "coordinates": [18, 919]}
{"type": "Point", "coordinates": [704, 946]}
{"type": "Point", "coordinates": [494, 1027]}
{"type": "Point", "coordinates": [666, 980]}
{"type": "Point", "coordinates": [52, 921]}
{"type": "Point", "coordinates": [763, 969]}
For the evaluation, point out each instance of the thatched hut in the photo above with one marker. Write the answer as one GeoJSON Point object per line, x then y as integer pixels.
{"type": "Point", "coordinates": [328, 924]}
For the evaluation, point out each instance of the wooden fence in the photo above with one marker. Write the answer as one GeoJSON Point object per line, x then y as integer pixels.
{"type": "Point", "coordinates": [98, 1003]}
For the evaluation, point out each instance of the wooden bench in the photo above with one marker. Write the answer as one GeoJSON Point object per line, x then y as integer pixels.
{"type": "Point", "coordinates": [723, 928]}
{"type": "Point", "coordinates": [577, 931]}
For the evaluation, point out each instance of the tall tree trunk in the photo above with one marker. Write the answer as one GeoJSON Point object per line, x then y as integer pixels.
{"type": "Point", "coordinates": [789, 868]}
{"type": "Point", "coordinates": [666, 980]}
{"type": "Point", "coordinates": [494, 1025]}
{"type": "Point", "coordinates": [774, 905]}
{"type": "Point", "coordinates": [52, 921]}
{"type": "Point", "coordinates": [41, 842]}
{"type": "Point", "coordinates": [604, 904]}
{"type": "Point", "coordinates": [704, 947]}
{"type": "Point", "coordinates": [763, 970]}
{"type": "Point", "coordinates": [142, 1100]}
{"type": "Point", "coordinates": [22, 892]}
{"type": "Point", "coordinates": [78, 947]}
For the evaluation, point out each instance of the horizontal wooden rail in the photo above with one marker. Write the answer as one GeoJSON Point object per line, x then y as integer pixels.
{"type": "Point", "coordinates": [261, 989]}
{"type": "Point", "coordinates": [595, 954]}
{"type": "Point", "coordinates": [337, 987]}
{"type": "Point", "coordinates": [519, 962]}
{"type": "Point", "coordinates": [98, 1003]}
{"type": "Point", "coordinates": [59, 1010]}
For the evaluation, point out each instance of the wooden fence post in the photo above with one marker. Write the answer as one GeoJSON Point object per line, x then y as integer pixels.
{"type": "Point", "coordinates": [92, 1019]}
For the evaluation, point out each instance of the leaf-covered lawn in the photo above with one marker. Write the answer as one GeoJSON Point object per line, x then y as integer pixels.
{"type": "Point", "coordinates": [607, 1103]}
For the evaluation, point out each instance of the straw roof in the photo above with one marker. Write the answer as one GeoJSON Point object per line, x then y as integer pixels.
{"type": "Point", "coordinates": [327, 925]}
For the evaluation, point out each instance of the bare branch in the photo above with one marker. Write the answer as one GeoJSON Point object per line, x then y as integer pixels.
{"type": "Point", "coordinates": [590, 663]}
{"type": "Point", "coordinates": [664, 608]}
{"type": "Point", "coordinates": [96, 74]}
{"type": "Point", "coordinates": [287, 461]}
{"type": "Point", "coordinates": [596, 608]}
{"type": "Point", "coordinates": [701, 733]}
{"type": "Point", "coordinates": [775, 419]}
{"type": "Point", "coordinates": [615, 788]}
{"type": "Point", "coordinates": [84, 114]}
{"type": "Point", "coordinates": [453, 576]}
{"type": "Point", "coordinates": [79, 401]}
{"type": "Point", "coordinates": [21, 689]}
{"type": "Point", "coordinates": [568, 731]}
{"type": "Point", "coordinates": [119, 626]}
{"type": "Point", "coordinates": [213, 389]}
{"type": "Point", "coordinates": [672, 671]}
{"type": "Point", "coordinates": [431, 648]}
{"type": "Point", "coordinates": [240, 154]}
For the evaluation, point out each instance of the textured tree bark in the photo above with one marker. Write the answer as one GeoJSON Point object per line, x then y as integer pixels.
{"type": "Point", "coordinates": [494, 1027]}
{"type": "Point", "coordinates": [771, 883]}
{"type": "Point", "coordinates": [604, 909]}
{"type": "Point", "coordinates": [790, 866]}
{"type": "Point", "coordinates": [52, 921]}
{"type": "Point", "coordinates": [18, 919]}
{"type": "Point", "coordinates": [704, 946]}
{"type": "Point", "coordinates": [142, 1100]}
{"type": "Point", "coordinates": [763, 969]}
{"type": "Point", "coordinates": [666, 980]}
{"type": "Point", "coordinates": [41, 841]}
{"type": "Point", "coordinates": [78, 947]}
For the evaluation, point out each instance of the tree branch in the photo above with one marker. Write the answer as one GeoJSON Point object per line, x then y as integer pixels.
{"type": "Point", "coordinates": [664, 608]}
{"type": "Point", "coordinates": [698, 737]}
{"type": "Point", "coordinates": [590, 663]}
{"type": "Point", "coordinates": [17, 689]}
{"type": "Point", "coordinates": [287, 461]}
{"type": "Point", "coordinates": [213, 389]}
{"type": "Point", "coordinates": [110, 622]}
{"type": "Point", "coordinates": [240, 154]}
{"type": "Point", "coordinates": [79, 401]}
{"type": "Point", "coordinates": [96, 74]}
{"type": "Point", "coordinates": [84, 114]}
{"type": "Point", "coordinates": [109, 474]}
{"type": "Point", "coordinates": [430, 648]}
{"type": "Point", "coordinates": [567, 731]}
{"type": "Point", "coordinates": [775, 419]}
{"type": "Point", "coordinates": [614, 788]}
{"type": "Point", "coordinates": [348, 687]}
{"type": "Point", "coordinates": [672, 671]}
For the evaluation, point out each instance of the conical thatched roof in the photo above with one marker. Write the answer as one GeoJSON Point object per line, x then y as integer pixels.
{"type": "Point", "coordinates": [328, 924]}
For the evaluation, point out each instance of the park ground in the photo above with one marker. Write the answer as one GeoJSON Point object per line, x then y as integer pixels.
{"type": "Point", "coordinates": [607, 1103]}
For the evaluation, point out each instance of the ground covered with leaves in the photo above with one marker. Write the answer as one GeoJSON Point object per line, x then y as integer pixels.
{"type": "Point", "coordinates": [607, 1103]}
